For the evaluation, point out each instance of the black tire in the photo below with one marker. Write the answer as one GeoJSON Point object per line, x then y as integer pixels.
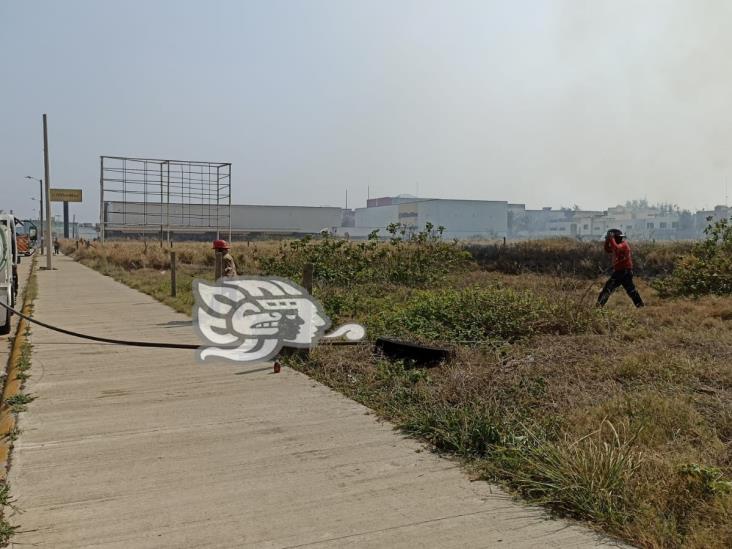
{"type": "Point", "coordinates": [5, 328]}
{"type": "Point", "coordinates": [419, 355]}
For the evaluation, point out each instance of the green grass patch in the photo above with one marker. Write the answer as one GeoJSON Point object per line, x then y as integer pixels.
{"type": "Point", "coordinates": [18, 402]}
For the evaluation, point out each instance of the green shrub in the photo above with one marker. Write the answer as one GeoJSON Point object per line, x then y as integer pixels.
{"type": "Point", "coordinates": [707, 269]}
{"type": "Point", "coordinates": [703, 481]}
{"type": "Point", "coordinates": [472, 315]}
{"type": "Point", "coordinates": [413, 260]}
{"type": "Point", "coordinates": [479, 315]}
{"type": "Point", "coordinates": [18, 402]}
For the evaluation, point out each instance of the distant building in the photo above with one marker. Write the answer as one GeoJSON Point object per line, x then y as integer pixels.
{"type": "Point", "coordinates": [702, 218]}
{"type": "Point", "coordinates": [462, 219]}
{"type": "Point", "coordinates": [648, 223]}
{"type": "Point", "coordinates": [523, 223]}
{"type": "Point", "coordinates": [579, 224]}
{"type": "Point", "coordinates": [128, 218]}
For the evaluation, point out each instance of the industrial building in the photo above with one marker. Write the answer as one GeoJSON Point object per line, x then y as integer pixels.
{"type": "Point", "coordinates": [462, 219]}
{"type": "Point", "coordinates": [189, 220]}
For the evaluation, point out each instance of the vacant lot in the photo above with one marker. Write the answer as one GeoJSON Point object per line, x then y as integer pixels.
{"type": "Point", "coordinates": [619, 417]}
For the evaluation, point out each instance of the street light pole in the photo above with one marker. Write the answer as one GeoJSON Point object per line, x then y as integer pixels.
{"type": "Point", "coordinates": [40, 181]}
{"type": "Point", "coordinates": [48, 194]}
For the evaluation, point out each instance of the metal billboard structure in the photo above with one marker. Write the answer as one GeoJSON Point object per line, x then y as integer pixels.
{"type": "Point", "coordinates": [156, 197]}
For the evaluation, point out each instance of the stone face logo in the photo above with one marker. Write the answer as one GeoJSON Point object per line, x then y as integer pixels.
{"type": "Point", "coordinates": [251, 318]}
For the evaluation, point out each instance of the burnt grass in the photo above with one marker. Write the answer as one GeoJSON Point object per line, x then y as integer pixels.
{"type": "Point", "coordinates": [620, 418]}
{"type": "Point", "coordinates": [571, 257]}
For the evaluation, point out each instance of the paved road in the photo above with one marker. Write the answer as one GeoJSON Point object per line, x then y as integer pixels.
{"type": "Point", "coordinates": [128, 447]}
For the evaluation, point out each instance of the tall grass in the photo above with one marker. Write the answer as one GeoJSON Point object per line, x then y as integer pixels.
{"type": "Point", "coordinates": [588, 478]}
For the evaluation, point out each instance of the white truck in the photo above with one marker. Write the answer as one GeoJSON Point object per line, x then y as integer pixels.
{"type": "Point", "coordinates": [9, 260]}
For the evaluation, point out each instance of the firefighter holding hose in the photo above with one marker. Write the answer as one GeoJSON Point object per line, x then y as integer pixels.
{"type": "Point", "coordinates": [616, 244]}
{"type": "Point", "coordinates": [229, 267]}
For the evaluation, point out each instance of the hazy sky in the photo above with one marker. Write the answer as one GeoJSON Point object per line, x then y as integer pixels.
{"type": "Point", "coordinates": [547, 102]}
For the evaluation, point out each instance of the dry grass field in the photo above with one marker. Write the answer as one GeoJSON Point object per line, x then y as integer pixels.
{"type": "Point", "coordinates": [619, 417]}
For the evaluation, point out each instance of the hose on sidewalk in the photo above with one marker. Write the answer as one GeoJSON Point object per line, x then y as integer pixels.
{"type": "Point", "coordinates": [131, 343]}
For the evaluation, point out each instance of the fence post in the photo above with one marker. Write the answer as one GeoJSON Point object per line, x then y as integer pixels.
{"type": "Point", "coordinates": [218, 265]}
{"type": "Point", "coordinates": [307, 277]}
{"type": "Point", "coordinates": [173, 289]}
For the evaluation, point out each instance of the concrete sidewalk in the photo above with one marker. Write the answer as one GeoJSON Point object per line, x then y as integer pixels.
{"type": "Point", "coordinates": [130, 447]}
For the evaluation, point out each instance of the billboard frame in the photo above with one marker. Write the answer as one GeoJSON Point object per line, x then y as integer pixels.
{"type": "Point", "coordinates": [148, 192]}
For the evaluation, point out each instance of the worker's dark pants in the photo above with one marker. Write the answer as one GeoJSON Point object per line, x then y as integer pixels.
{"type": "Point", "coordinates": [624, 279]}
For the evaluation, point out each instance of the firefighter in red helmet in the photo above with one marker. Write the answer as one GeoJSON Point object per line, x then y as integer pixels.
{"type": "Point", "coordinates": [616, 244]}
{"type": "Point", "coordinates": [222, 247]}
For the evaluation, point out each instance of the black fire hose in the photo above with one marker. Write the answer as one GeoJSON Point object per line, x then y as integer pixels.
{"type": "Point", "coordinates": [132, 343]}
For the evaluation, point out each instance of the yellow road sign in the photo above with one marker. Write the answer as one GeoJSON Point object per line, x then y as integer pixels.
{"type": "Point", "coordinates": [65, 195]}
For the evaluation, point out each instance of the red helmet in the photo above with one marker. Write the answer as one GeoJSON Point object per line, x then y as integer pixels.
{"type": "Point", "coordinates": [221, 245]}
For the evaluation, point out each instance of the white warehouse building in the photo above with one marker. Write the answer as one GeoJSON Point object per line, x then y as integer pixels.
{"type": "Point", "coordinates": [462, 219]}
{"type": "Point", "coordinates": [131, 217]}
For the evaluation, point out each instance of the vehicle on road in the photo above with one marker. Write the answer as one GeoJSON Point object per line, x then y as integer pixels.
{"type": "Point", "coordinates": [9, 260]}
{"type": "Point", "coordinates": [26, 237]}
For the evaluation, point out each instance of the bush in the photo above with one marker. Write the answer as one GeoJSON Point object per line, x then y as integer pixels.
{"type": "Point", "coordinates": [479, 315]}
{"type": "Point", "coordinates": [707, 269]}
{"type": "Point", "coordinates": [414, 260]}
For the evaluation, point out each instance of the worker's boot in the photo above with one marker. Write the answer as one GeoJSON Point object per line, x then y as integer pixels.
{"type": "Point", "coordinates": [637, 300]}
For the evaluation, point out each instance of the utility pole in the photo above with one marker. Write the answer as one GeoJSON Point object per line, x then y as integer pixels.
{"type": "Point", "coordinates": [48, 194]}
{"type": "Point", "coordinates": [66, 219]}
{"type": "Point", "coordinates": [43, 229]}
